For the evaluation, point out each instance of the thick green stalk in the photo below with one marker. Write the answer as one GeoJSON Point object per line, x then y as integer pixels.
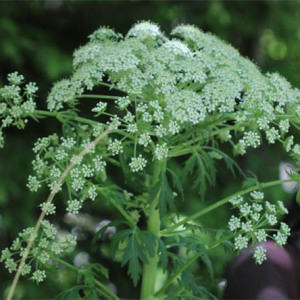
{"type": "Point", "coordinates": [150, 268]}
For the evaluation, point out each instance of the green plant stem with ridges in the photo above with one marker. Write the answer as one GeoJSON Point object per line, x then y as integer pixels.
{"type": "Point", "coordinates": [59, 116]}
{"type": "Point", "coordinates": [150, 268]}
{"type": "Point", "coordinates": [62, 116]}
{"type": "Point", "coordinates": [98, 96]}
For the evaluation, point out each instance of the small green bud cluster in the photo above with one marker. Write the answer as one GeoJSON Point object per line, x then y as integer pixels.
{"type": "Point", "coordinates": [253, 223]}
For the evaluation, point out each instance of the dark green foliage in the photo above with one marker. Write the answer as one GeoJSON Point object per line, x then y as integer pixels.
{"type": "Point", "coordinates": [164, 193]}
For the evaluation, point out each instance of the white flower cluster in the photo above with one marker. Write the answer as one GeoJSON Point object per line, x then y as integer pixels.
{"type": "Point", "coordinates": [45, 246]}
{"type": "Point", "coordinates": [74, 206]}
{"type": "Point", "coordinates": [16, 103]}
{"type": "Point", "coordinates": [251, 225]}
{"type": "Point", "coordinates": [137, 163]}
{"type": "Point", "coordinates": [99, 108]}
{"type": "Point", "coordinates": [173, 84]}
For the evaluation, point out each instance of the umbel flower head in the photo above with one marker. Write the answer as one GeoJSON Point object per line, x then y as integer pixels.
{"type": "Point", "coordinates": [173, 84]}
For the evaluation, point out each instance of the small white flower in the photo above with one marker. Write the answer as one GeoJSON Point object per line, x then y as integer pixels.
{"type": "Point", "coordinates": [245, 209]}
{"type": "Point", "coordinates": [255, 216]}
{"type": "Point", "coordinates": [48, 208]}
{"type": "Point", "coordinates": [38, 276]}
{"type": "Point", "coordinates": [240, 242]}
{"type": "Point", "coordinates": [123, 102]}
{"type": "Point", "coordinates": [234, 223]}
{"type": "Point", "coordinates": [177, 47]}
{"type": "Point", "coordinates": [144, 139]}
{"type": "Point", "coordinates": [272, 135]}
{"type": "Point", "coordinates": [280, 238]}
{"type": "Point", "coordinates": [99, 164]}
{"type": "Point", "coordinates": [132, 128]}
{"type": "Point", "coordinates": [161, 151]}
{"type": "Point", "coordinates": [33, 184]}
{"type": "Point", "coordinates": [281, 207]}
{"type": "Point", "coordinates": [160, 131]}
{"type": "Point", "coordinates": [252, 139]}
{"type": "Point", "coordinates": [261, 235]}
{"type": "Point", "coordinates": [74, 206]}
{"type": "Point", "coordinates": [99, 108]}
{"type": "Point", "coordinates": [129, 117]}
{"type": "Point", "coordinates": [15, 78]}
{"type": "Point", "coordinates": [236, 200]}
{"type": "Point", "coordinates": [296, 149]}
{"type": "Point", "coordinates": [289, 143]}
{"type": "Point", "coordinates": [92, 192]}
{"type": "Point", "coordinates": [257, 207]}
{"type": "Point", "coordinates": [87, 170]}
{"type": "Point", "coordinates": [257, 195]}
{"type": "Point", "coordinates": [247, 226]}
{"type": "Point", "coordinates": [137, 163]}
{"type": "Point", "coordinates": [55, 172]}
{"type": "Point", "coordinates": [285, 229]}
{"type": "Point", "coordinates": [31, 88]}
{"type": "Point", "coordinates": [145, 30]}
{"type": "Point", "coordinates": [174, 128]}
{"type": "Point", "coordinates": [271, 219]}
{"type": "Point", "coordinates": [115, 147]}
{"type": "Point", "coordinates": [284, 125]}
{"type": "Point", "coordinates": [260, 255]}
{"type": "Point", "coordinates": [271, 208]}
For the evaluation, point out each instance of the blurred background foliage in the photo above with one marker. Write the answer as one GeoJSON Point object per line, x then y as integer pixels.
{"type": "Point", "coordinates": [37, 38]}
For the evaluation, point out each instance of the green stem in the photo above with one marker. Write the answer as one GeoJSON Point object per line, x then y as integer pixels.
{"type": "Point", "coordinates": [98, 96]}
{"type": "Point", "coordinates": [121, 210]}
{"type": "Point", "coordinates": [222, 202]}
{"type": "Point", "coordinates": [105, 291]}
{"type": "Point", "coordinates": [62, 115]}
{"type": "Point", "coordinates": [59, 116]}
{"type": "Point", "coordinates": [187, 147]}
{"type": "Point", "coordinates": [111, 86]}
{"type": "Point", "coordinates": [150, 268]}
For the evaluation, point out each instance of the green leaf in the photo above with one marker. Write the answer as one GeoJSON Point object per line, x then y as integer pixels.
{"type": "Point", "coordinates": [298, 196]}
{"type": "Point", "coordinates": [72, 293]}
{"type": "Point", "coordinates": [92, 295]}
{"type": "Point", "coordinates": [201, 167]}
{"type": "Point", "coordinates": [251, 181]}
{"type": "Point", "coordinates": [162, 190]}
{"type": "Point", "coordinates": [149, 240]}
{"type": "Point", "coordinates": [163, 254]}
{"type": "Point", "coordinates": [133, 255]}
{"type": "Point", "coordinates": [230, 163]}
{"type": "Point", "coordinates": [137, 241]}
{"type": "Point", "coordinates": [99, 269]}
{"type": "Point", "coordinates": [176, 183]}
